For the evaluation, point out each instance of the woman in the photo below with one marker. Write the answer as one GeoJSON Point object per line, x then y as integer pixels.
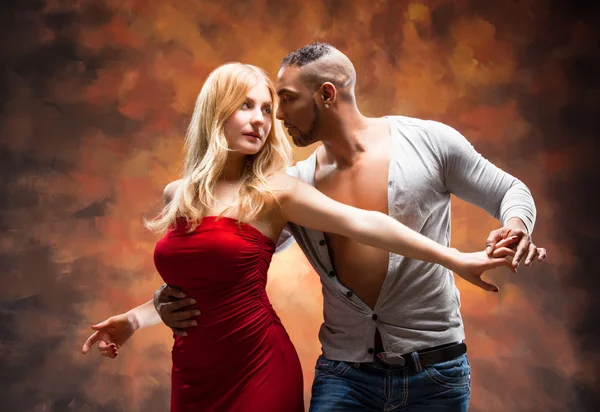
{"type": "Point", "coordinates": [222, 222]}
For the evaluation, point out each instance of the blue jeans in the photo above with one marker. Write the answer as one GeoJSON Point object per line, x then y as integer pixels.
{"type": "Point", "coordinates": [376, 386]}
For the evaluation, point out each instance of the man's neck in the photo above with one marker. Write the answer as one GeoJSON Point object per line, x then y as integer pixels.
{"type": "Point", "coordinates": [347, 139]}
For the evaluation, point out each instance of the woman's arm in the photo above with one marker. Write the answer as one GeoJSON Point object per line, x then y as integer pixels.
{"type": "Point", "coordinates": [304, 205]}
{"type": "Point", "coordinates": [112, 333]}
{"type": "Point", "coordinates": [144, 315]}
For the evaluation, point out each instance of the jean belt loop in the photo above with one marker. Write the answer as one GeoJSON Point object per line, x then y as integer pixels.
{"type": "Point", "coordinates": [415, 357]}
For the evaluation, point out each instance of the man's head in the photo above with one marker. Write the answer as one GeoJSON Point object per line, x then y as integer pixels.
{"type": "Point", "coordinates": [313, 82]}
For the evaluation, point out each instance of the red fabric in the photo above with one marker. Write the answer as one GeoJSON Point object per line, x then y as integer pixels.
{"type": "Point", "coordinates": [239, 357]}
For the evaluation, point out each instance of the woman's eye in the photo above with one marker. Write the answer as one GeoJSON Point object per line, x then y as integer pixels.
{"type": "Point", "coordinates": [245, 105]}
{"type": "Point", "coordinates": [268, 110]}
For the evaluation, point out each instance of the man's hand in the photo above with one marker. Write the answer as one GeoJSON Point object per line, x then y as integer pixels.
{"type": "Point", "coordinates": [169, 302]}
{"type": "Point", "coordinates": [523, 249]}
{"type": "Point", "coordinates": [111, 334]}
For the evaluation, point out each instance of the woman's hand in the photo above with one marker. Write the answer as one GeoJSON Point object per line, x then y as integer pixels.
{"type": "Point", "coordinates": [112, 334]}
{"type": "Point", "coordinates": [470, 266]}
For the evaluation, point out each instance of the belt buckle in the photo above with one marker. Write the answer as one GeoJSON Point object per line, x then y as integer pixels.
{"type": "Point", "coordinates": [391, 358]}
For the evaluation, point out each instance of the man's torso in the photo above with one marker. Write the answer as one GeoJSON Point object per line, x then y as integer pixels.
{"type": "Point", "coordinates": [364, 185]}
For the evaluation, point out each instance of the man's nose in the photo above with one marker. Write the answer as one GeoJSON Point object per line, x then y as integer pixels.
{"type": "Point", "coordinates": [279, 113]}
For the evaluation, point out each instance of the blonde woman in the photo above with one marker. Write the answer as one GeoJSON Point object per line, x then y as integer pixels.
{"type": "Point", "coordinates": [221, 224]}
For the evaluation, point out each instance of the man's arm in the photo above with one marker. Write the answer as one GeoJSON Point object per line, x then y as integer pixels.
{"type": "Point", "coordinates": [474, 179]}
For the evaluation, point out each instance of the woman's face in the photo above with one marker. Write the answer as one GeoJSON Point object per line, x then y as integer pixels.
{"type": "Point", "coordinates": [247, 129]}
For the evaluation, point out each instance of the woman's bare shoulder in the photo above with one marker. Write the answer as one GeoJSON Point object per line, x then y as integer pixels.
{"type": "Point", "coordinates": [282, 183]}
{"type": "Point", "coordinates": [170, 189]}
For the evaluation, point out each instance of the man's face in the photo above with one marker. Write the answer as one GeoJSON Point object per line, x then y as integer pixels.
{"type": "Point", "coordinates": [297, 107]}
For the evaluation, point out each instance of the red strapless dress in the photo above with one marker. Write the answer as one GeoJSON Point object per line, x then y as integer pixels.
{"type": "Point", "coordinates": [239, 357]}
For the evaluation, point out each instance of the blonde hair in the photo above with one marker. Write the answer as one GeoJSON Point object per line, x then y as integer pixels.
{"type": "Point", "coordinates": [223, 93]}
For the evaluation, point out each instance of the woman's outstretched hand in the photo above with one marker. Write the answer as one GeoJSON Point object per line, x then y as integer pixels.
{"type": "Point", "coordinates": [470, 266]}
{"type": "Point", "coordinates": [111, 334]}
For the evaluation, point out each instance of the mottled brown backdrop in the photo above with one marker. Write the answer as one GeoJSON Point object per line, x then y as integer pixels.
{"type": "Point", "coordinates": [94, 101]}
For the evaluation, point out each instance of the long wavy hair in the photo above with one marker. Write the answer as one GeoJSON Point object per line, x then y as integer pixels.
{"type": "Point", "coordinates": [206, 151]}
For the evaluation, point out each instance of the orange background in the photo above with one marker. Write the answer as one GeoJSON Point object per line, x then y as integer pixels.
{"type": "Point", "coordinates": [95, 98]}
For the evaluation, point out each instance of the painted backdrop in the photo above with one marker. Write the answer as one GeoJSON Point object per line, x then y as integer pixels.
{"type": "Point", "coordinates": [94, 101]}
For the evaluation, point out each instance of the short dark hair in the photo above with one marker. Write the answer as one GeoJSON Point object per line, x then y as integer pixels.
{"type": "Point", "coordinates": [307, 54]}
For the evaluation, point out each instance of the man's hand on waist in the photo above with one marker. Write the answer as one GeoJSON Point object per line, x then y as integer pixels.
{"type": "Point", "coordinates": [170, 302]}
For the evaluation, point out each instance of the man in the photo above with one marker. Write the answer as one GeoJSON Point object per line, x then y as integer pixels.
{"type": "Point", "coordinates": [392, 334]}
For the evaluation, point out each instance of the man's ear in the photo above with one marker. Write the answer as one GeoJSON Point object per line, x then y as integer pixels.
{"type": "Point", "coordinates": [328, 94]}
